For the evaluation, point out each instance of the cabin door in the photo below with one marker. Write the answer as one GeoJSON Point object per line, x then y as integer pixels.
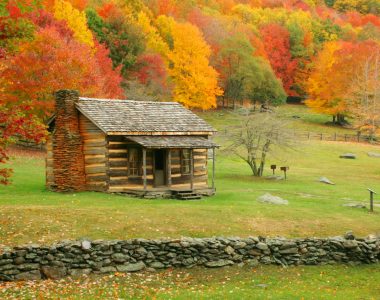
{"type": "Point", "coordinates": [159, 167]}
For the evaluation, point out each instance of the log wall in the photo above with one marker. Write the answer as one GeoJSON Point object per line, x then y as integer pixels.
{"type": "Point", "coordinates": [95, 155]}
{"type": "Point", "coordinates": [200, 177]}
{"type": "Point", "coordinates": [119, 179]}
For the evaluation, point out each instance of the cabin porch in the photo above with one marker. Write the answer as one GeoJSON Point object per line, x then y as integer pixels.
{"type": "Point", "coordinates": [161, 166]}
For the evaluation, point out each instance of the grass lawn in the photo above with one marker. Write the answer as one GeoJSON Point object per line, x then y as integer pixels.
{"type": "Point", "coordinates": [269, 282]}
{"type": "Point", "coordinates": [29, 213]}
{"type": "Point", "coordinates": [306, 121]}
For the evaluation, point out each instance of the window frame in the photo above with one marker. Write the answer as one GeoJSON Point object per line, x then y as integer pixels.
{"type": "Point", "coordinates": [137, 164]}
{"type": "Point", "coordinates": [186, 162]}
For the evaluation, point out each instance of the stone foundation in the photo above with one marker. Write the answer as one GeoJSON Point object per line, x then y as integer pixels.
{"type": "Point", "coordinates": [84, 257]}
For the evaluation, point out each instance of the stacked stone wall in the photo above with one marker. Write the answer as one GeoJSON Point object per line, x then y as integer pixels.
{"type": "Point", "coordinates": [100, 256]}
{"type": "Point", "coordinates": [68, 172]}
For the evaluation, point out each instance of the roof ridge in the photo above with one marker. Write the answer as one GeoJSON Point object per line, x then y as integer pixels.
{"type": "Point", "coordinates": [127, 100]}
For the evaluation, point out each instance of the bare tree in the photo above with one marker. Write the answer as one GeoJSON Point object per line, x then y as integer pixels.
{"type": "Point", "coordinates": [364, 96]}
{"type": "Point", "coordinates": [256, 136]}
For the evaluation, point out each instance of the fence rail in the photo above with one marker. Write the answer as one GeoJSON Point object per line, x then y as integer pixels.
{"type": "Point", "coordinates": [338, 137]}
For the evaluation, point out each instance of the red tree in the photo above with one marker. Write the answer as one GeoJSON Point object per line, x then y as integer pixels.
{"type": "Point", "coordinates": [16, 122]}
{"type": "Point", "coordinates": [152, 70]}
{"type": "Point", "coordinates": [277, 47]}
{"type": "Point", "coordinates": [52, 62]}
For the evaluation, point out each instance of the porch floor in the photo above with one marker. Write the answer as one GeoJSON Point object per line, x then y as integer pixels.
{"type": "Point", "coordinates": [166, 192]}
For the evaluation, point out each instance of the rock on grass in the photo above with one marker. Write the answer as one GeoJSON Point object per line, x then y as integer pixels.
{"type": "Point", "coordinates": [268, 198]}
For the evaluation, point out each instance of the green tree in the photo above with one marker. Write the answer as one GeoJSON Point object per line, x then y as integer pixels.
{"type": "Point", "coordinates": [245, 76]}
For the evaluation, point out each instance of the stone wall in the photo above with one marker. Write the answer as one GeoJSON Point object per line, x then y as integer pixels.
{"type": "Point", "coordinates": [99, 256]}
{"type": "Point", "coordinates": [68, 172]}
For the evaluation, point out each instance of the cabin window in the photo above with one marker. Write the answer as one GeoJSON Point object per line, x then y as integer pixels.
{"type": "Point", "coordinates": [134, 162]}
{"type": "Point", "coordinates": [185, 161]}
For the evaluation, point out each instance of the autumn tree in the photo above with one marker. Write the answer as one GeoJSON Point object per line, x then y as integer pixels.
{"type": "Point", "coordinates": [195, 81]}
{"type": "Point", "coordinates": [15, 123]}
{"type": "Point", "coordinates": [276, 40]}
{"type": "Point", "coordinates": [15, 28]}
{"type": "Point", "coordinates": [325, 92]}
{"type": "Point", "coordinates": [76, 20]}
{"type": "Point", "coordinates": [363, 97]}
{"type": "Point", "coordinates": [245, 76]}
{"type": "Point", "coordinates": [121, 36]}
{"type": "Point", "coordinates": [51, 62]}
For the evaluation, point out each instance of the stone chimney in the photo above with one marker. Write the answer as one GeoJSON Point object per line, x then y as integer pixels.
{"type": "Point", "coordinates": [68, 158]}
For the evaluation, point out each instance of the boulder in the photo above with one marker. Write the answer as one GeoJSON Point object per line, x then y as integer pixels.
{"type": "Point", "coordinates": [268, 198]}
{"type": "Point", "coordinates": [79, 272]}
{"type": "Point", "coordinates": [348, 156]}
{"type": "Point", "coordinates": [32, 275]}
{"type": "Point", "coordinates": [218, 263]}
{"type": "Point", "coordinates": [354, 205]}
{"type": "Point", "coordinates": [326, 180]}
{"type": "Point", "coordinates": [275, 177]}
{"type": "Point", "coordinates": [349, 235]}
{"type": "Point", "coordinates": [131, 267]}
{"type": "Point", "coordinates": [229, 250]}
{"type": "Point", "coordinates": [53, 272]}
{"type": "Point", "coordinates": [108, 269]}
{"type": "Point", "coordinates": [262, 246]}
{"type": "Point", "coordinates": [86, 245]}
{"type": "Point", "coordinates": [157, 265]}
{"type": "Point", "coordinates": [373, 154]}
{"type": "Point", "coordinates": [350, 244]}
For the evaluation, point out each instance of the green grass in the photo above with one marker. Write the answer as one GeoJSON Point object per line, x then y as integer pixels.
{"type": "Point", "coordinates": [307, 120]}
{"type": "Point", "coordinates": [269, 282]}
{"type": "Point", "coordinates": [30, 213]}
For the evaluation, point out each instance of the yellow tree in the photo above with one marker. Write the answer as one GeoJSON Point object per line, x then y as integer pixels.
{"type": "Point", "coordinates": [194, 79]}
{"type": "Point", "coordinates": [323, 88]}
{"type": "Point", "coordinates": [75, 19]}
{"type": "Point", "coordinates": [154, 41]}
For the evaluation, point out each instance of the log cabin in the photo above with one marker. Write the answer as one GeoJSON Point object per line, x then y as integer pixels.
{"type": "Point", "coordinates": [149, 149]}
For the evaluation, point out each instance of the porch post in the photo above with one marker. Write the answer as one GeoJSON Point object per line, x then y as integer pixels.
{"type": "Point", "coordinates": [169, 166]}
{"type": "Point", "coordinates": [144, 168]}
{"type": "Point", "coordinates": [213, 168]}
{"type": "Point", "coordinates": [191, 169]}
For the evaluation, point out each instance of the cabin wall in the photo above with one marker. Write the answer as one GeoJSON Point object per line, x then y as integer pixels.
{"type": "Point", "coordinates": [95, 155]}
{"type": "Point", "coordinates": [200, 177]}
{"type": "Point", "coordinates": [119, 179]}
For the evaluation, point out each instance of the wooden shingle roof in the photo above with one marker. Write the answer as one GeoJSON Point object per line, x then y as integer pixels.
{"type": "Point", "coordinates": [128, 117]}
{"type": "Point", "coordinates": [184, 141]}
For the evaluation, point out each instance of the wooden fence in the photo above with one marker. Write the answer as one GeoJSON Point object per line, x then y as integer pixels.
{"type": "Point", "coordinates": [338, 137]}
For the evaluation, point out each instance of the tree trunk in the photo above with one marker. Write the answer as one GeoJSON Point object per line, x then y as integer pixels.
{"type": "Point", "coordinates": [340, 119]}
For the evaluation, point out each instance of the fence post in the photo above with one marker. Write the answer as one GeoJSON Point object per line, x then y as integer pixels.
{"type": "Point", "coordinates": [321, 136]}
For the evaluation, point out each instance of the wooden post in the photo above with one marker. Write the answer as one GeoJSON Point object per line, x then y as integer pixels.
{"type": "Point", "coordinates": [169, 166]}
{"type": "Point", "coordinates": [144, 168]}
{"type": "Point", "coordinates": [213, 169]}
{"type": "Point", "coordinates": [191, 169]}
{"type": "Point", "coordinates": [371, 193]}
